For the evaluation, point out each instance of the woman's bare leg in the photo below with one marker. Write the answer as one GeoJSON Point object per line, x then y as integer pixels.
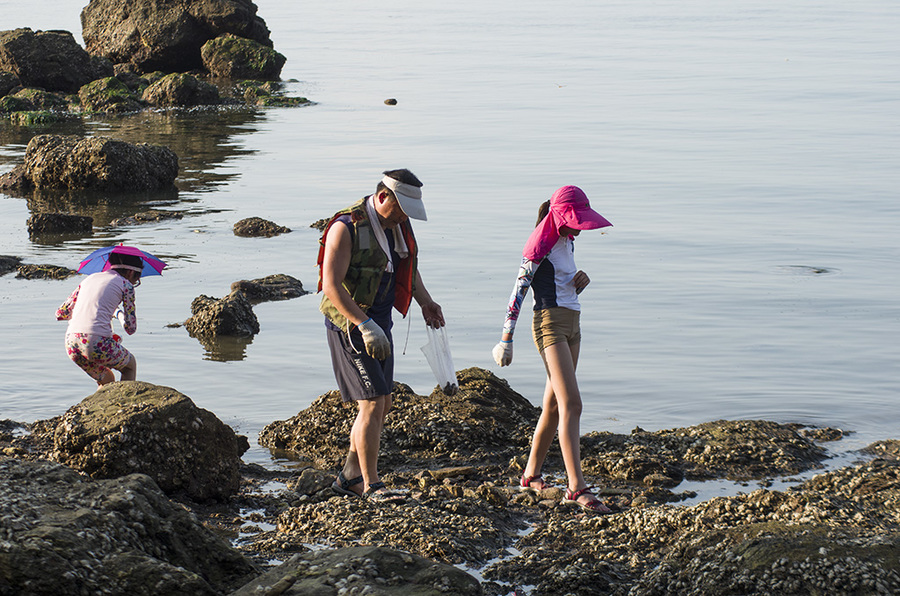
{"type": "Point", "coordinates": [560, 359]}
{"type": "Point", "coordinates": [543, 432]}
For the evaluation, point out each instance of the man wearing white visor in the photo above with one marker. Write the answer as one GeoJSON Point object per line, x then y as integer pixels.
{"type": "Point", "coordinates": [368, 267]}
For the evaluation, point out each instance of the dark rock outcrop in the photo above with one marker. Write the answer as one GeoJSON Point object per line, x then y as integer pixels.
{"type": "Point", "coordinates": [58, 223]}
{"type": "Point", "coordinates": [98, 163]}
{"type": "Point", "coordinates": [167, 36]}
{"type": "Point", "coordinates": [8, 82]}
{"type": "Point", "coordinates": [63, 533]}
{"type": "Point", "coordinates": [358, 568]}
{"type": "Point", "coordinates": [233, 57]}
{"type": "Point", "coordinates": [44, 272]}
{"type": "Point", "coordinates": [181, 90]}
{"type": "Point", "coordinates": [51, 60]}
{"type": "Point", "coordinates": [149, 216]}
{"type": "Point", "coordinates": [272, 287]}
{"type": "Point", "coordinates": [256, 226]}
{"type": "Point", "coordinates": [16, 180]}
{"type": "Point", "coordinates": [135, 427]}
{"type": "Point", "coordinates": [231, 315]}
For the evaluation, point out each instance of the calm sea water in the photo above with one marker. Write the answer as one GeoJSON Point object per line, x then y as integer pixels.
{"type": "Point", "coordinates": [746, 154]}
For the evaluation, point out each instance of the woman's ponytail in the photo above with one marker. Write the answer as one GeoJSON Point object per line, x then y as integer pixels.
{"type": "Point", "coordinates": [543, 210]}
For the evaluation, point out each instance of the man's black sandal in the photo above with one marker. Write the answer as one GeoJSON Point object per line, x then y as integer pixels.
{"type": "Point", "coordinates": [342, 486]}
{"type": "Point", "coordinates": [372, 494]}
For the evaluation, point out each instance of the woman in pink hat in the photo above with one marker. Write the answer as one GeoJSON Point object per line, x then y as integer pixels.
{"type": "Point", "coordinates": [548, 265]}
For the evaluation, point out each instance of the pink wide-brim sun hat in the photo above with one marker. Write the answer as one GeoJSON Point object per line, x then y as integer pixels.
{"type": "Point", "coordinates": [573, 209]}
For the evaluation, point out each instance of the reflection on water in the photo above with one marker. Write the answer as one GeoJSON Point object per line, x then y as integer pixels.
{"type": "Point", "coordinates": [807, 270]}
{"type": "Point", "coordinates": [103, 207]}
{"type": "Point", "coordinates": [203, 140]}
{"type": "Point", "coordinates": [225, 348]}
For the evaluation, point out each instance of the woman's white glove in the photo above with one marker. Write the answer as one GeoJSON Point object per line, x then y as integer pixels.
{"type": "Point", "coordinates": [378, 345]}
{"type": "Point", "coordinates": [503, 353]}
{"type": "Point", "coordinates": [120, 314]}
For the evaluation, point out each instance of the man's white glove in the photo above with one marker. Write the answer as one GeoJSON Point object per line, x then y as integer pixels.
{"type": "Point", "coordinates": [120, 314]}
{"type": "Point", "coordinates": [378, 345]}
{"type": "Point", "coordinates": [503, 353]}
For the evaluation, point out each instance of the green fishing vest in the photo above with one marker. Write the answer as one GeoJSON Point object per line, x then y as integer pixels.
{"type": "Point", "coordinates": [367, 262]}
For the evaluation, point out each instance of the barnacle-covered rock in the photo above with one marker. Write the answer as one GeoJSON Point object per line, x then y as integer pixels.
{"type": "Point", "coordinates": [232, 315]}
{"type": "Point", "coordinates": [98, 163]}
{"type": "Point", "coordinates": [256, 226]}
{"type": "Point", "coordinates": [356, 570]}
{"type": "Point", "coordinates": [733, 449]}
{"type": "Point", "coordinates": [485, 422]}
{"type": "Point", "coordinates": [132, 426]}
{"type": "Point", "coordinates": [64, 533]}
{"type": "Point", "coordinates": [271, 287]}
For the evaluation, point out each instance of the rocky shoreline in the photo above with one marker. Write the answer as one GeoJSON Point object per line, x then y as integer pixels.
{"type": "Point", "coordinates": [118, 523]}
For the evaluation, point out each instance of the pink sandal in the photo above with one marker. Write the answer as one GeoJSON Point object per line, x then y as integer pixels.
{"type": "Point", "coordinates": [525, 483]}
{"type": "Point", "coordinates": [595, 505]}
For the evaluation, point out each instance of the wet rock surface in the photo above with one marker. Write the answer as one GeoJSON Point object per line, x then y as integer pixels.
{"type": "Point", "coordinates": [133, 426]}
{"type": "Point", "coordinates": [362, 570]}
{"type": "Point", "coordinates": [31, 271]}
{"type": "Point", "coordinates": [457, 461]}
{"type": "Point", "coordinates": [736, 450]}
{"type": "Point", "coordinates": [149, 216]}
{"type": "Point", "coordinates": [231, 316]}
{"type": "Point", "coordinates": [63, 533]}
{"type": "Point", "coordinates": [257, 226]}
{"type": "Point", "coordinates": [271, 287]}
{"type": "Point", "coordinates": [98, 163]}
{"type": "Point", "coordinates": [486, 422]}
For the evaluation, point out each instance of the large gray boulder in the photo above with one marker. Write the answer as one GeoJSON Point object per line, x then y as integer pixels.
{"type": "Point", "coordinates": [165, 34]}
{"type": "Point", "coordinates": [51, 60]}
{"type": "Point", "coordinates": [135, 427]}
{"type": "Point", "coordinates": [98, 163]}
{"type": "Point", "coordinates": [63, 533]}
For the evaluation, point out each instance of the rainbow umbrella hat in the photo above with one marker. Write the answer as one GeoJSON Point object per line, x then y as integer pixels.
{"type": "Point", "coordinates": [99, 260]}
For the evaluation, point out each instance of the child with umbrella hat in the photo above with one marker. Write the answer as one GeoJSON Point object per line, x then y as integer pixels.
{"type": "Point", "coordinates": [90, 341]}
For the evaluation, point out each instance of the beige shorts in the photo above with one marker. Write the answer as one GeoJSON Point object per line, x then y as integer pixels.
{"type": "Point", "coordinates": [554, 325]}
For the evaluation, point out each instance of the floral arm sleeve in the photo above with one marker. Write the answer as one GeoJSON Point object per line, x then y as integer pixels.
{"type": "Point", "coordinates": [64, 312]}
{"type": "Point", "coordinates": [523, 282]}
{"type": "Point", "coordinates": [130, 323]}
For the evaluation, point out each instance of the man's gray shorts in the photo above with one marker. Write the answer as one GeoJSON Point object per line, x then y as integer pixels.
{"type": "Point", "coordinates": [358, 375]}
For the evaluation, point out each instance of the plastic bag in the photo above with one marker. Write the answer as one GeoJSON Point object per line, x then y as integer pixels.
{"type": "Point", "coordinates": [437, 352]}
